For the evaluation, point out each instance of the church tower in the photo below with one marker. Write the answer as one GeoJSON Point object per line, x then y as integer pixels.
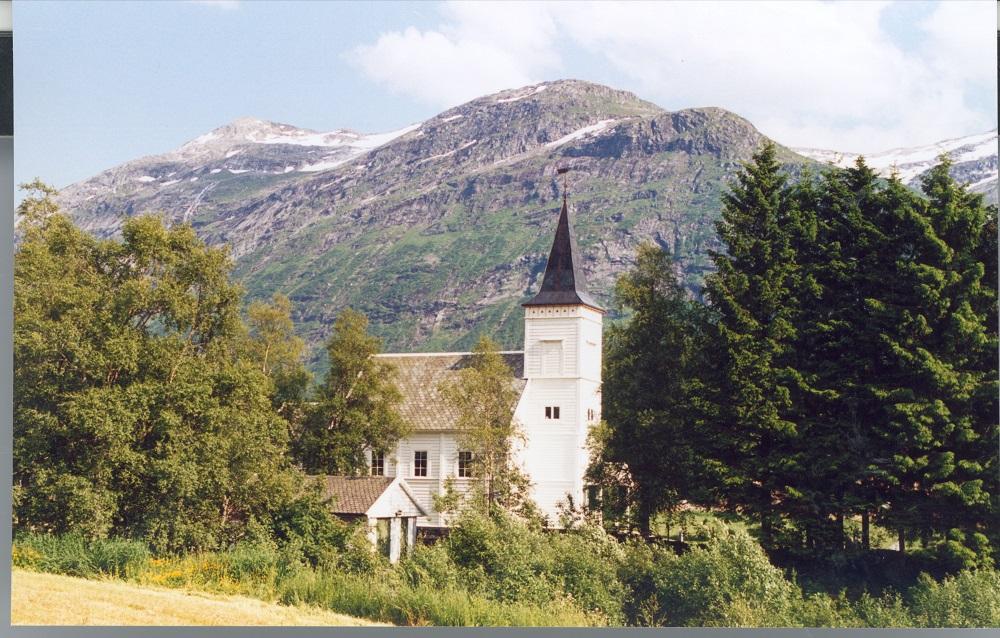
{"type": "Point", "coordinates": [562, 366]}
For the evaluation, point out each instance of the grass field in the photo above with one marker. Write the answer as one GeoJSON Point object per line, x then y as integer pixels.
{"type": "Point", "coordinates": [49, 599]}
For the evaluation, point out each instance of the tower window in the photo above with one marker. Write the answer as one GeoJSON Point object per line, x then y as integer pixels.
{"type": "Point", "coordinates": [465, 464]}
{"type": "Point", "coordinates": [552, 412]}
{"type": "Point", "coordinates": [420, 463]}
{"type": "Point", "coordinates": [590, 414]}
{"type": "Point", "coordinates": [552, 358]}
{"type": "Point", "coordinates": [378, 464]}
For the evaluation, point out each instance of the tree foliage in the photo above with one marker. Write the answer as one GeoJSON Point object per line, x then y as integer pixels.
{"type": "Point", "coordinates": [659, 392]}
{"type": "Point", "coordinates": [136, 409]}
{"type": "Point", "coordinates": [484, 397]}
{"type": "Point", "coordinates": [856, 340]}
{"type": "Point", "coordinates": [753, 292]}
{"type": "Point", "coordinates": [356, 405]}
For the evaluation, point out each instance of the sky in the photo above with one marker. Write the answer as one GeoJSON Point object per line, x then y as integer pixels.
{"type": "Point", "coordinates": [100, 83]}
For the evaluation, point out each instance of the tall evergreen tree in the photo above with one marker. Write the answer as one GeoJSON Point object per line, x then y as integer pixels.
{"type": "Point", "coordinates": [660, 390]}
{"type": "Point", "coordinates": [753, 292]}
{"type": "Point", "coordinates": [950, 366]}
{"type": "Point", "coordinates": [895, 342]}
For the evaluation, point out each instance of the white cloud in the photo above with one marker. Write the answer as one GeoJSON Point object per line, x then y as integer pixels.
{"type": "Point", "coordinates": [819, 74]}
{"type": "Point", "coordinates": [481, 48]}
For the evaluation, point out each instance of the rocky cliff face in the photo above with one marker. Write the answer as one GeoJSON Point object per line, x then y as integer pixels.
{"type": "Point", "coordinates": [440, 230]}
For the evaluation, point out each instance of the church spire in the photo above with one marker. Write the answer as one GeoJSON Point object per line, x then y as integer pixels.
{"type": "Point", "coordinates": [564, 283]}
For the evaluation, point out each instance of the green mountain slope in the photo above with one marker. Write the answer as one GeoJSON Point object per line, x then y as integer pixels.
{"type": "Point", "coordinates": [438, 232]}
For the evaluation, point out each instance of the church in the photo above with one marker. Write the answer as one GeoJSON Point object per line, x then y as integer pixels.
{"type": "Point", "coordinates": [557, 376]}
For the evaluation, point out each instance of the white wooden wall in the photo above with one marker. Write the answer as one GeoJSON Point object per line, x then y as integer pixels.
{"type": "Point", "coordinates": [554, 454]}
{"type": "Point", "coordinates": [562, 350]}
{"type": "Point", "coordinates": [442, 456]}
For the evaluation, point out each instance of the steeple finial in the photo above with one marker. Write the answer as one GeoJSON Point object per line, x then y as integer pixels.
{"type": "Point", "coordinates": [562, 171]}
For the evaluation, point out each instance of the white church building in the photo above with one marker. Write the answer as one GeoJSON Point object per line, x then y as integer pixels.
{"type": "Point", "coordinates": [558, 376]}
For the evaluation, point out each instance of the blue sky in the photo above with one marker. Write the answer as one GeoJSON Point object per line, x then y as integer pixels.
{"type": "Point", "coordinates": [97, 84]}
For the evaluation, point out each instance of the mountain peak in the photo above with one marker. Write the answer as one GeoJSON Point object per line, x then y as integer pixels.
{"type": "Point", "coordinates": [575, 94]}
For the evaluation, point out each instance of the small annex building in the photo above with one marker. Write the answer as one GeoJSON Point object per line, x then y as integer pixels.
{"type": "Point", "coordinates": [385, 503]}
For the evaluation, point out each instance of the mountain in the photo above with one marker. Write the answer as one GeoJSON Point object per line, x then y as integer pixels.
{"type": "Point", "coordinates": [974, 161]}
{"type": "Point", "coordinates": [440, 230]}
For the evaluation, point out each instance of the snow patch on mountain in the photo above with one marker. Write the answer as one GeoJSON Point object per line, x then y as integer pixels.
{"type": "Point", "coordinates": [593, 129]}
{"type": "Point", "coordinates": [537, 89]}
{"type": "Point", "coordinates": [451, 152]}
{"type": "Point", "coordinates": [911, 162]}
{"type": "Point", "coordinates": [368, 142]}
{"type": "Point", "coordinates": [323, 166]}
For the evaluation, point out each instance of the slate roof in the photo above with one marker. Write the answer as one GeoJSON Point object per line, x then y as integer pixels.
{"type": "Point", "coordinates": [420, 375]}
{"type": "Point", "coordinates": [354, 494]}
{"type": "Point", "coordinates": [564, 282]}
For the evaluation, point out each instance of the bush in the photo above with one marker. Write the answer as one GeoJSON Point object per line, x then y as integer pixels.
{"type": "Point", "coordinates": [359, 557]}
{"type": "Point", "coordinates": [119, 558]}
{"type": "Point", "coordinates": [970, 599]}
{"type": "Point", "coordinates": [431, 565]}
{"type": "Point", "coordinates": [729, 582]}
{"type": "Point", "coordinates": [886, 611]}
{"type": "Point", "coordinates": [585, 562]}
{"type": "Point", "coordinates": [67, 554]}
{"type": "Point", "coordinates": [256, 563]}
{"type": "Point", "coordinates": [424, 604]}
{"type": "Point", "coordinates": [500, 557]}
{"type": "Point", "coordinates": [307, 525]}
{"type": "Point", "coordinates": [958, 552]}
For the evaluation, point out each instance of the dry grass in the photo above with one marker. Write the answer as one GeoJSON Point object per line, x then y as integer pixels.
{"type": "Point", "coordinates": [49, 599]}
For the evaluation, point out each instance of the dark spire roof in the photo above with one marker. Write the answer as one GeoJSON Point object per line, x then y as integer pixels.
{"type": "Point", "coordinates": [564, 283]}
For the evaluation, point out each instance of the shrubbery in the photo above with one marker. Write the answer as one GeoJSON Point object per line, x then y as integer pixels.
{"type": "Point", "coordinates": [496, 570]}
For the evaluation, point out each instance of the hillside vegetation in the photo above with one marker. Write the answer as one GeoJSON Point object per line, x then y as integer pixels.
{"type": "Point", "coordinates": [497, 571]}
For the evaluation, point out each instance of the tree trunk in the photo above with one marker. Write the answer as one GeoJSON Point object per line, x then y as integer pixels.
{"type": "Point", "coordinates": [839, 536]}
{"type": "Point", "coordinates": [902, 539]}
{"type": "Point", "coordinates": [644, 515]}
{"type": "Point", "coordinates": [865, 532]}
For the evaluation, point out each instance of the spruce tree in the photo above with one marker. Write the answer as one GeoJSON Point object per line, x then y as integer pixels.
{"type": "Point", "coordinates": [753, 292]}
{"type": "Point", "coordinates": [660, 390]}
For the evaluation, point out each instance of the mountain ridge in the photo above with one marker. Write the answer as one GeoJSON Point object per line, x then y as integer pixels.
{"type": "Point", "coordinates": [974, 160]}
{"type": "Point", "coordinates": [438, 231]}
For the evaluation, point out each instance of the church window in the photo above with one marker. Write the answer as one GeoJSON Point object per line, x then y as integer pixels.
{"type": "Point", "coordinates": [378, 464]}
{"type": "Point", "coordinates": [590, 414]}
{"type": "Point", "coordinates": [420, 463]}
{"type": "Point", "coordinates": [465, 464]}
{"type": "Point", "coordinates": [552, 412]}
